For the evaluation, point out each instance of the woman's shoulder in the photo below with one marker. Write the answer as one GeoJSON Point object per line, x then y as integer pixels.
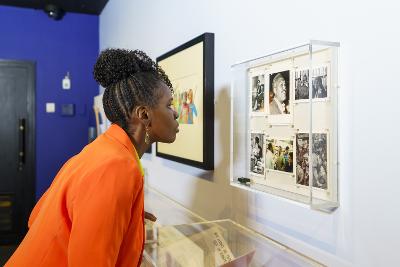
{"type": "Point", "coordinates": [106, 148]}
{"type": "Point", "coordinates": [101, 156]}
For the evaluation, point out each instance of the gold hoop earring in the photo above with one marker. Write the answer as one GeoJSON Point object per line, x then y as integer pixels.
{"type": "Point", "coordinates": [147, 137]}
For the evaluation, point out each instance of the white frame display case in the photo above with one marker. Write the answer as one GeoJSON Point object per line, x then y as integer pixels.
{"type": "Point", "coordinates": [277, 102]}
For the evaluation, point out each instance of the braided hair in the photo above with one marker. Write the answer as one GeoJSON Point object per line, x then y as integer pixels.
{"type": "Point", "coordinates": [130, 78]}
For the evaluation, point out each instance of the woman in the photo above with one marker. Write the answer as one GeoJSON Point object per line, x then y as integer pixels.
{"type": "Point", "coordinates": [92, 214]}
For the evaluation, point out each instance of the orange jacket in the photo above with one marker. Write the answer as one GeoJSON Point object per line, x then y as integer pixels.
{"type": "Point", "coordinates": [92, 214]}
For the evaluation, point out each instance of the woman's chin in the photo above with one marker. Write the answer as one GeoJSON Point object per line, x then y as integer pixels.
{"type": "Point", "coordinates": [172, 139]}
{"type": "Point", "coordinates": [168, 140]}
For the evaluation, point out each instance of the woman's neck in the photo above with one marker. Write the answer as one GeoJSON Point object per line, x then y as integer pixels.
{"type": "Point", "coordinates": [137, 137]}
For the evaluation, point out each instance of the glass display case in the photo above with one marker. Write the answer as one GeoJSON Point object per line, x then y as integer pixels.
{"type": "Point", "coordinates": [193, 242]}
{"type": "Point", "coordinates": [217, 243]}
{"type": "Point", "coordinates": [277, 102]}
{"type": "Point", "coordinates": [168, 211]}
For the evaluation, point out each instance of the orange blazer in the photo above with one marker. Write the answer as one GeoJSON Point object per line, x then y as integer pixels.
{"type": "Point", "coordinates": [92, 214]}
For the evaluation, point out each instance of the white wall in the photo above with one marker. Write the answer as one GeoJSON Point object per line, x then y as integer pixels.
{"type": "Point", "coordinates": [365, 230]}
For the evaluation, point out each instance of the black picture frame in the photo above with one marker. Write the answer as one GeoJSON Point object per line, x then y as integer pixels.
{"type": "Point", "coordinates": [208, 102]}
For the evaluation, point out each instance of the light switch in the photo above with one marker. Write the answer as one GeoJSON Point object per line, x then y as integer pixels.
{"type": "Point", "coordinates": [50, 107]}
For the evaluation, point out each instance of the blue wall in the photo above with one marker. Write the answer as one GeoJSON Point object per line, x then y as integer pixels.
{"type": "Point", "coordinates": [72, 45]}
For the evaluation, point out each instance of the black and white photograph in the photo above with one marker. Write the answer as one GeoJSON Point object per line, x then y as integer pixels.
{"type": "Point", "coordinates": [279, 154]}
{"type": "Point", "coordinates": [320, 160]}
{"type": "Point", "coordinates": [279, 93]}
{"type": "Point", "coordinates": [319, 157]}
{"type": "Point", "coordinates": [320, 83]}
{"type": "Point", "coordinates": [302, 155]}
{"type": "Point", "coordinates": [257, 158]}
{"type": "Point", "coordinates": [301, 84]}
{"type": "Point", "coordinates": [258, 93]}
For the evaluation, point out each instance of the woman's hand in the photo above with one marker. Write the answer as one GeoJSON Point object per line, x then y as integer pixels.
{"type": "Point", "coordinates": [149, 216]}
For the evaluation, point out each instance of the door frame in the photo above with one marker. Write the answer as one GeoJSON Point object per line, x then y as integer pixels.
{"type": "Point", "coordinates": [27, 179]}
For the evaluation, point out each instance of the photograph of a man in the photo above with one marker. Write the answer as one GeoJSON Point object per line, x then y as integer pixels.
{"type": "Point", "coordinates": [279, 97]}
{"type": "Point", "coordinates": [301, 87]}
{"type": "Point", "coordinates": [257, 100]}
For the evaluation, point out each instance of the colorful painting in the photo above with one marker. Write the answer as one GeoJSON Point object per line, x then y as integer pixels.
{"type": "Point", "coordinates": [185, 105]}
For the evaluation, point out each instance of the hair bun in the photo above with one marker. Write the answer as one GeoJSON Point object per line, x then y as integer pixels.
{"type": "Point", "coordinates": [114, 65]}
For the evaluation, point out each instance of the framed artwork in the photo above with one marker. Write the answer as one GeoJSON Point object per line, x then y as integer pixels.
{"type": "Point", "coordinates": [190, 67]}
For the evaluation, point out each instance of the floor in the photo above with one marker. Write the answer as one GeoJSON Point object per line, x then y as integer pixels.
{"type": "Point", "coordinates": [5, 253]}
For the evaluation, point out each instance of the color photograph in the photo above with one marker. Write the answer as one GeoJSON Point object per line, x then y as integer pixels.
{"type": "Point", "coordinates": [279, 154]}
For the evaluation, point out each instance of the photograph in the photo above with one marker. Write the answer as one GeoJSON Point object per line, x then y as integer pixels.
{"type": "Point", "coordinates": [302, 145]}
{"type": "Point", "coordinates": [257, 158]}
{"type": "Point", "coordinates": [258, 93]}
{"type": "Point", "coordinates": [279, 154]}
{"type": "Point", "coordinates": [319, 157]}
{"type": "Point", "coordinates": [320, 82]}
{"type": "Point", "coordinates": [279, 93]}
{"type": "Point", "coordinates": [301, 84]}
{"type": "Point", "coordinates": [320, 160]}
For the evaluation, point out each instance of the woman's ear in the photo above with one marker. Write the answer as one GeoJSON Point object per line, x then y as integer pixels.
{"type": "Point", "coordinates": [143, 113]}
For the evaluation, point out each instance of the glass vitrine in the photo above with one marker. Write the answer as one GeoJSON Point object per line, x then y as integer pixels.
{"type": "Point", "coordinates": [284, 130]}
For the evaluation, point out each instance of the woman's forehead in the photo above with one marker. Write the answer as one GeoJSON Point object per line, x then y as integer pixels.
{"type": "Point", "coordinates": [165, 91]}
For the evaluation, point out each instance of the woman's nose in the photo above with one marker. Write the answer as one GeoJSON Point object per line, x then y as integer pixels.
{"type": "Point", "coordinates": [175, 115]}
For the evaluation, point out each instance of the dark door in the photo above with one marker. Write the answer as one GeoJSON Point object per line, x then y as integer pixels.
{"type": "Point", "coordinates": [17, 139]}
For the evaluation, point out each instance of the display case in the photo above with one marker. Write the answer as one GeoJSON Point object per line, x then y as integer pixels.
{"type": "Point", "coordinates": [277, 102]}
{"type": "Point", "coordinates": [217, 243]}
{"type": "Point", "coordinates": [168, 211]}
{"type": "Point", "coordinates": [180, 237]}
